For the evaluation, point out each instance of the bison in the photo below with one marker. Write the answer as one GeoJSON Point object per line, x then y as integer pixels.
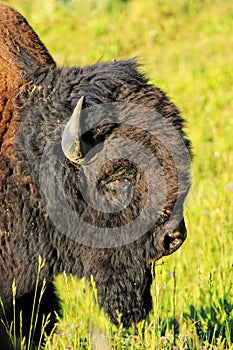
{"type": "Point", "coordinates": [95, 168]}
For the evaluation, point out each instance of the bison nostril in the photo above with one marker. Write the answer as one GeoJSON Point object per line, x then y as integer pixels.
{"type": "Point", "coordinates": [168, 241]}
{"type": "Point", "coordinates": [171, 241]}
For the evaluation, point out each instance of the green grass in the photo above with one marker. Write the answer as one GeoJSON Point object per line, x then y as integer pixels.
{"type": "Point", "coordinates": [186, 49]}
{"type": "Point", "coordinates": [22, 342]}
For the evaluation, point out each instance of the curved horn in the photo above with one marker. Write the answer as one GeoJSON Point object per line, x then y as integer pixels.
{"type": "Point", "coordinates": [70, 140]}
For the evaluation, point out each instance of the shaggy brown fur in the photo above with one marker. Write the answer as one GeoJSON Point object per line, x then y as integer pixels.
{"type": "Point", "coordinates": [20, 50]}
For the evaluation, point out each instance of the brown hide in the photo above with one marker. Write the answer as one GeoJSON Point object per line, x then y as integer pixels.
{"type": "Point", "coordinates": [20, 51]}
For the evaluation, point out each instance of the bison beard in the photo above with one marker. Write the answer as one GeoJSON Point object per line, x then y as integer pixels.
{"type": "Point", "coordinates": [37, 99]}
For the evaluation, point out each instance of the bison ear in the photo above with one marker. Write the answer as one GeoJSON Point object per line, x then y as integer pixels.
{"type": "Point", "coordinates": [71, 142]}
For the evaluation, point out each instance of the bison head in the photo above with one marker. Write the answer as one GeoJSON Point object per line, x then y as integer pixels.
{"type": "Point", "coordinates": [122, 174]}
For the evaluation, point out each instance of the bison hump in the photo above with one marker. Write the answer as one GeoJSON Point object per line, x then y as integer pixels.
{"type": "Point", "coordinates": [20, 50]}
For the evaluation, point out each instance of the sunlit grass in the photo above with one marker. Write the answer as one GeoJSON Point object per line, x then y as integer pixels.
{"type": "Point", "coordinates": [185, 47]}
{"type": "Point", "coordinates": [18, 340]}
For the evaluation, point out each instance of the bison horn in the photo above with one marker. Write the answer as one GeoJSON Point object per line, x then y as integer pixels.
{"type": "Point", "coordinates": [70, 140]}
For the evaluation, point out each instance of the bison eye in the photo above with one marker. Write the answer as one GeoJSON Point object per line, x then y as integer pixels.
{"type": "Point", "coordinates": [119, 183]}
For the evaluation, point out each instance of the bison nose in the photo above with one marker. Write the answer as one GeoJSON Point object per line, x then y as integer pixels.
{"type": "Point", "coordinates": [170, 241]}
